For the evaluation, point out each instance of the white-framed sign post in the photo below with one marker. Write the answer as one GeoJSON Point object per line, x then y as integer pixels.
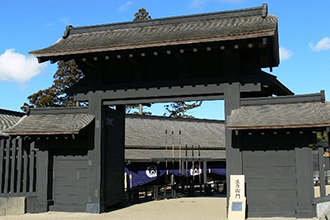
{"type": "Point", "coordinates": [237, 200]}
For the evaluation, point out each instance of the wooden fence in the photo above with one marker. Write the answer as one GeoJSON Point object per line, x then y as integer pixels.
{"type": "Point", "coordinates": [17, 167]}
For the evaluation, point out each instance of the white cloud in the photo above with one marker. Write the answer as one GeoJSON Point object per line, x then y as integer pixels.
{"type": "Point", "coordinates": [49, 24]}
{"type": "Point", "coordinates": [65, 21]}
{"type": "Point", "coordinates": [201, 3]}
{"type": "Point", "coordinates": [18, 67]}
{"type": "Point", "coordinates": [233, 1]}
{"type": "Point", "coordinates": [285, 54]}
{"type": "Point", "coordinates": [323, 44]}
{"type": "Point", "coordinates": [125, 6]}
{"type": "Point", "coordinates": [197, 3]}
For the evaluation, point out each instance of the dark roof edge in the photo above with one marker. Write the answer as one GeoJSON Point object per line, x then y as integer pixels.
{"type": "Point", "coordinates": [315, 97]}
{"type": "Point", "coordinates": [174, 119]}
{"type": "Point", "coordinates": [58, 110]}
{"type": "Point", "coordinates": [10, 112]}
{"type": "Point", "coordinates": [294, 126]}
{"type": "Point", "coordinates": [254, 11]}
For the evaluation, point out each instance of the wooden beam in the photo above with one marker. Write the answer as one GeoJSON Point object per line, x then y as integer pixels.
{"type": "Point", "coordinates": [163, 100]}
{"type": "Point", "coordinates": [166, 94]}
{"type": "Point", "coordinates": [316, 97]}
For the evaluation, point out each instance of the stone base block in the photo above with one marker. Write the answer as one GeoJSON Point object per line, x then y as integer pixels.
{"type": "Point", "coordinates": [322, 209]}
{"type": "Point", "coordinates": [12, 206]}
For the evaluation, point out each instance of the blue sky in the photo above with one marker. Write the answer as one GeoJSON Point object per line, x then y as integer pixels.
{"type": "Point", "coordinates": [304, 33]}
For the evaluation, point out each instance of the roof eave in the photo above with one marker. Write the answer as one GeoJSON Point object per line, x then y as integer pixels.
{"type": "Point", "coordinates": [268, 127]}
{"type": "Point", "coordinates": [43, 57]}
{"type": "Point", "coordinates": [42, 133]}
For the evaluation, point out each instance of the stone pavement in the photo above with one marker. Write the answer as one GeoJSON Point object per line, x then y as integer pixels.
{"type": "Point", "coordinates": [193, 208]}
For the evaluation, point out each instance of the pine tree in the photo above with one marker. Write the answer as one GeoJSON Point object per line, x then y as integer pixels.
{"type": "Point", "coordinates": [180, 109]}
{"type": "Point", "coordinates": [66, 75]}
{"type": "Point", "coordinates": [142, 15]}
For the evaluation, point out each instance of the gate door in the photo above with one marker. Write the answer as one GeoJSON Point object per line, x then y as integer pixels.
{"type": "Point", "coordinates": [70, 182]}
{"type": "Point", "coordinates": [270, 182]}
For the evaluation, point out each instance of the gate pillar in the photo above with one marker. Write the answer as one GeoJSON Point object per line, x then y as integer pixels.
{"type": "Point", "coordinates": [95, 156]}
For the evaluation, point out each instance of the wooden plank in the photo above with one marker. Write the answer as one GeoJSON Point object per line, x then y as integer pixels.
{"type": "Point", "coordinates": [69, 182]}
{"type": "Point", "coordinates": [7, 166]}
{"type": "Point", "coordinates": [268, 158]}
{"type": "Point", "coordinates": [72, 164]}
{"type": "Point", "coordinates": [13, 165]}
{"type": "Point", "coordinates": [267, 173]}
{"type": "Point", "coordinates": [70, 190]}
{"type": "Point", "coordinates": [32, 178]}
{"type": "Point", "coordinates": [305, 186]}
{"type": "Point", "coordinates": [272, 184]}
{"type": "Point", "coordinates": [19, 165]}
{"type": "Point", "coordinates": [2, 147]}
{"type": "Point", "coordinates": [321, 172]}
{"type": "Point", "coordinates": [25, 166]}
{"type": "Point", "coordinates": [71, 174]}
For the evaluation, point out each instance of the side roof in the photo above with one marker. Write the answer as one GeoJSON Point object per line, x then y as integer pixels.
{"type": "Point", "coordinates": [161, 132]}
{"type": "Point", "coordinates": [200, 28]}
{"type": "Point", "coordinates": [8, 119]}
{"type": "Point", "coordinates": [302, 111]}
{"type": "Point", "coordinates": [52, 122]}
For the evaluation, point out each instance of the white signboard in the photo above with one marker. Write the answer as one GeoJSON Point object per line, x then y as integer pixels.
{"type": "Point", "coordinates": [237, 200]}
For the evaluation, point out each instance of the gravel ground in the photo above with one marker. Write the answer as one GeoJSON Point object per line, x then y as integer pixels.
{"type": "Point", "coordinates": [195, 208]}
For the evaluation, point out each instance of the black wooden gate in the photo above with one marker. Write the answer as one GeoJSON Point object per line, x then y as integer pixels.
{"type": "Point", "coordinates": [17, 167]}
{"type": "Point", "coordinates": [70, 181]}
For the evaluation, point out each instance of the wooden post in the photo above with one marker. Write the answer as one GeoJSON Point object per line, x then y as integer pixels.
{"type": "Point", "coordinates": [42, 181]}
{"type": "Point", "coordinates": [234, 165]}
{"type": "Point", "coordinates": [204, 171]}
{"type": "Point", "coordinates": [321, 172]}
{"type": "Point", "coordinates": [304, 176]}
{"type": "Point", "coordinates": [95, 160]}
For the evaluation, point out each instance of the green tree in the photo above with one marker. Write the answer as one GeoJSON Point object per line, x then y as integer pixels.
{"type": "Point", "coordinates": [142, 15]}
{"type": "Point", "coordinates": [66, 75]}
{"type": "Point", "coordinates": [180, 109]}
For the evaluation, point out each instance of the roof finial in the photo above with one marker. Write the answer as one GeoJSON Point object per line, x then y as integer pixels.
{"type": "Point", "coordinates": [67, 31]}
{"type": "Point", "coordinates": [264, 10]}
{"type": "Point", "coordinates": [322, 92]}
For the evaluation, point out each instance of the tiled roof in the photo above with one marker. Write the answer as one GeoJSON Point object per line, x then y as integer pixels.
{"type": "Point", "coordinates": [54, 122]}
{"type": "Point", "coordinates": [211, 27]}
{"type": "Point", "coordinates": [277, 116]}
{"type": "Point", "coordinates": [152, 131]}
{"type": "Point", "coordinates": [149, 154]}
{"type": "Point", "coordinates": [8, 119]}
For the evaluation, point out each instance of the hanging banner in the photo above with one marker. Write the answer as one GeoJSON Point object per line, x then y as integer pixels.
{"type": "Point", "coordinates": [195, 170]}
{"type": "Point", "coordinates": [151, 171]}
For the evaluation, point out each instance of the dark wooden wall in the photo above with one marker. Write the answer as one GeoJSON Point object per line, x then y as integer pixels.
{"type": "Point", "coordinates": [278, 169]}
{"type": "Point", "coordinates": [17, 167]}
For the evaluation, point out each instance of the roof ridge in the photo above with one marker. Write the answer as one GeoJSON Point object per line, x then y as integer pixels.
{"type": "Point", "coordinates": [155, 117]}
{"type": "Point", "coordinates": [254, 11]}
